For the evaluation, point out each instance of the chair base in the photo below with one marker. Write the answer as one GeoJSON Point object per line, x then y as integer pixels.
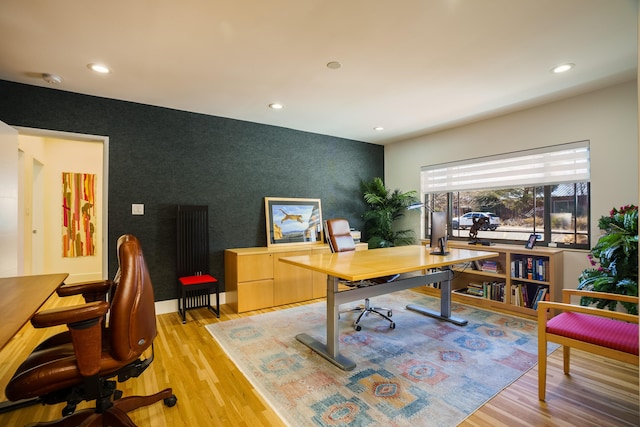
{"type": "Point", "coordinates": [366, 309]}
{"type": "Point", "coordinates": [8, 406]}
{"type": "Point", "coordinates": [197, 296]}
{"type": "Point", "coordinates": [115, 415]}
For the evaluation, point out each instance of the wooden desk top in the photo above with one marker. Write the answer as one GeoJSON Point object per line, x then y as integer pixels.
{"type": "Point", "coordinates": [361, 265]}
{"type": "Point", "coordinates": [21, 297]}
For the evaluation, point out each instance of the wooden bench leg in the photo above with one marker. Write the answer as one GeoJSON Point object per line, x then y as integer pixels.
{"type": "Point", "coordinates": [566, 358]}
{"type": "Point", "coordinates": [542, 367]}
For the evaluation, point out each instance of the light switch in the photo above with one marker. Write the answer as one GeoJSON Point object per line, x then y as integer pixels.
{"type": "Point", "coordinates": [137, 209]}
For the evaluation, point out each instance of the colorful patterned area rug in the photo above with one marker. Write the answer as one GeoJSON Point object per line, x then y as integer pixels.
{"type": "Point", "coordinates": [425, 372]}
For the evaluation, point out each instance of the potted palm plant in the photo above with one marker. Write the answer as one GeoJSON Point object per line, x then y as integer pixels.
{"type": "Point", "coordinates": [614, 259]}
{"type": "Point", "coordinates": [384, 207]}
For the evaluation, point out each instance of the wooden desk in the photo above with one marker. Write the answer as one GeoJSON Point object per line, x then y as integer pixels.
{"type": "Point", "coordinates": [21, 297]}
{"type": "Point", "coordinates": [354, 266]}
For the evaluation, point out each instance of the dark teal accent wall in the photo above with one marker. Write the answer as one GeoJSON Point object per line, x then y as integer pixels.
{"type": "Point", "coordinates": [163, 157]}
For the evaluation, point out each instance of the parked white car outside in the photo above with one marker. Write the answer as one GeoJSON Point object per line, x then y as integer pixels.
{"type": "Point", "coordinates": [466, 220]}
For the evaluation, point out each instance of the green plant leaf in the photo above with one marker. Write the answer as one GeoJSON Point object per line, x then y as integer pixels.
{"type": "Point", "coordinates": [617, 253]}
{"type": "Point", "coordinates": [384, 207]}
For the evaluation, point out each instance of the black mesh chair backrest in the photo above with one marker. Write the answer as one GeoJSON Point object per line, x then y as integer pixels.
{"type": "Point", "coordinates": [193, 240]}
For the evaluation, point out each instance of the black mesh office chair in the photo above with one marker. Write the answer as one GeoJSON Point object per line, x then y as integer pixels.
{"type": "Point", "coordinates": [195, 283]}
{"type": "Point", "coordinates": [339, 237]}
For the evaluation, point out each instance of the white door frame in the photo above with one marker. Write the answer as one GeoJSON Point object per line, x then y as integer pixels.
{"type": "Point", "coordinates": [104, 140]}
{"type": "Point", "coordinates": [37, 218]}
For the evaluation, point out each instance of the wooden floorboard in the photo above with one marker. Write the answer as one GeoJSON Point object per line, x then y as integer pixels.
{"type": "Point", "coordinates": [211, 391]}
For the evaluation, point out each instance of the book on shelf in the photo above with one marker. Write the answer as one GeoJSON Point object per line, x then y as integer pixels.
{"type": "Point", "coordinates": [500, 287]}
{"type": "Point", "coordinates": [529, 268]}
{"type": "Point", "coordinates": [541, 294]}
{"type": "Point", "coordinates": [514, 296]}
{"type": "Point", "coordinates": [525, 295]}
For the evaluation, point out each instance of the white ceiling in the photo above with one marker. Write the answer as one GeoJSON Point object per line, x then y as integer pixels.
{"type": "Point", "coordinates": [411, 66]}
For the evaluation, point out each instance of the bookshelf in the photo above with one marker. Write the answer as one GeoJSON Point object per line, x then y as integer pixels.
{"type": "Point", "coordinates": [512, 281]}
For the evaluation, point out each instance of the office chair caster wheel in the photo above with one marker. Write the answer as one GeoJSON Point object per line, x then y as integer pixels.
{"type": "Point", "coordinates": [389, 313]}
{"type": "Point", "coordinates": [170, 401]}
{"type": "Point", "coordinates": [358, 328]}
{"type": "Point", "coordinates": [68, 410]}
{"type": "Point", "coordinates": [392, 325]}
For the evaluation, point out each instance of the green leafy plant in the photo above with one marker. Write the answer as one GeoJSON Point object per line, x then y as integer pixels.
{"type": "Point", "coordinates": [384, 207]}
{"type": "Point", "coordinates": [614, 259]}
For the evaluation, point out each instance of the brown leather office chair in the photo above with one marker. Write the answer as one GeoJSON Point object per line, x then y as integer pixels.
{"type": "Point", "coordinates": [104, 340]}
{"type": "Point", "coordinates": [340, 240]}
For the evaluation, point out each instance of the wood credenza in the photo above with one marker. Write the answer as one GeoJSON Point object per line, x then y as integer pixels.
{"type": "Point", "coordinates": [255, 279]}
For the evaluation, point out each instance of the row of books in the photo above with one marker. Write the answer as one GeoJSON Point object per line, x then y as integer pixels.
{"type": "Point", "coordinates": [531, 268]}
{"type": "Point", "coordinates": [526, 295]}
{"type": "Point", "coordinates": [489, 290]}
{"type": "Point", "coordinates": [522, 294]}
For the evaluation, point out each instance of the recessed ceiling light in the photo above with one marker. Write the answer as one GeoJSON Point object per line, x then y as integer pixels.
{"type": "Point", "coordinates": [334, 65]}
{"type": "Point", "coordinates": [378, 128]}
{"type": "Point", "coordinates": [562, 68]}
{"type": "Point", "coordinates": [99, 68]}
{"type": "Point", "coordinates": [276, 106]}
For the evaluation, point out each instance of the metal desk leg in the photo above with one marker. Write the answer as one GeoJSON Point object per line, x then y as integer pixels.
{"type": "Point", "coordinates": [445, 304]}
{"type": "Point", "coordinates": [330, 351]}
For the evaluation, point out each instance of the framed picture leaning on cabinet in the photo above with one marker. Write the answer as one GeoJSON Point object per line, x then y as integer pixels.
{"type": "Point", "coordinates": [293, 221]}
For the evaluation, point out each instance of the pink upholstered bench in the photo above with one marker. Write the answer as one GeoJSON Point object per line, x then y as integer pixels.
{"type": "Point", "coordinates": [609, 333]}
{"type": "Point", "coordinates": [604, 332]}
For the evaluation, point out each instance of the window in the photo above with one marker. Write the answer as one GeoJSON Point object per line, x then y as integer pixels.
{"type": "Point", "coordinates": [543, 191]}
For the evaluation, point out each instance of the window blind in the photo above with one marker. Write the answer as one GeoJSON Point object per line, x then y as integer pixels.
{"type": "Point", "coordinates": [541, 166]}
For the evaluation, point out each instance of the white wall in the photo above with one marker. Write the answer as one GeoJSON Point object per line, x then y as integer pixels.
{"type": "Point", "coordinates": [608, 118]}
{"type": "Point", "coordinates": [64, 155]}
{"type": "Point", "coordinates": [8, 201]}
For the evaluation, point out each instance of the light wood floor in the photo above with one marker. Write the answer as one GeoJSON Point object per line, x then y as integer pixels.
{"type": "Point", "coordinates": [212, 392]}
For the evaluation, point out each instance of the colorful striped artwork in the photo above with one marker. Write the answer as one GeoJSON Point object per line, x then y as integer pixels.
{"type": "Point", "coordinates": [78, 214]}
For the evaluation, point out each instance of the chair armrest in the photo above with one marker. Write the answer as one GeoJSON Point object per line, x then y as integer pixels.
{"type": "Point", "coordinates": [543, 306]}
{"type": "Point", "coordinates": [70, 315]}
{"type": "Point", "coordinates": [91, 291]}
{"type": "Point", "coordinates": [85, 326]}
{"type": "Point", "coordinates": [568, 293]}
